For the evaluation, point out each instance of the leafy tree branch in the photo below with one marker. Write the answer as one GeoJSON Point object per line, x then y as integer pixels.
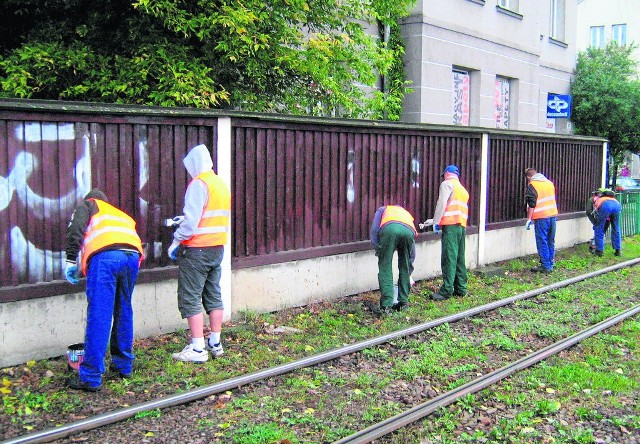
{"type": "Point", "coordinates": [606, 98]}
{"type": "Point", "coordinates": [290, 56]}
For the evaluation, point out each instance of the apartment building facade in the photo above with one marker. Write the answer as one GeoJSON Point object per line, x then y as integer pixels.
{"type": "Point", "coordinates": [489, 63]}
{"type": "Point", "coordinates": [600, 22]}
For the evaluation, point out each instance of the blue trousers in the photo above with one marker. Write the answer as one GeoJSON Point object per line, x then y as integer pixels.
{"type": "Point", "coordinates": [111, 276]}
{"type": "Point", "coordinates": [545, 230]}
{"type": "Point", "coordinates": [610, 209]}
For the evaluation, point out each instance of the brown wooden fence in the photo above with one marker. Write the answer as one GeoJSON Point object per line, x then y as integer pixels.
{"type": "Point", "coordinates": [301, 187]}
{"type": "Point", "coordinates": [573, 165]}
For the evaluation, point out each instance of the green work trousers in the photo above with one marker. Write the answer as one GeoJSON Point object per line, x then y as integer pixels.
{"type": "Point", "coordinates": [395, 237]}
{"type": "Point", "coordinates": [454, 271]}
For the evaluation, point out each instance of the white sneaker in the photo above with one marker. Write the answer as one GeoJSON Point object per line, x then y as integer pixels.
{"type": "Point", "coordinates": [188, 354]}
{"type": "Point", "coordinates": [216, 350]}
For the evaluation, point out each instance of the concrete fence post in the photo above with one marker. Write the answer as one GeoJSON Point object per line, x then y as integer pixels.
{"type": "Point", "coordinates": [603, 179]}
{"type": "Point", "coordinates": [484, 180]}
{"type": "Point", "coordinates": [224, 171]}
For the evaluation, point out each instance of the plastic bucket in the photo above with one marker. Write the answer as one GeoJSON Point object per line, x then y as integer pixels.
{"type": "Point", "coordinates": [75, 356]}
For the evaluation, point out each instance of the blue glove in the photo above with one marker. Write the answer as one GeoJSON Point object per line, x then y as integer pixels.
{"type": "Point", "coordinates": [528, 224]}
{"type": "Point", "coordinates": [436, 229]}
{"type": "Point", "coordinates": [173, 250]}
{"type": "Point", "coordinates": [71, 272]}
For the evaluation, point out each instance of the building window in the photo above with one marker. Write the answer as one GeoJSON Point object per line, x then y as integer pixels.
{"type": "Point", "coordinates": [597, 36]}
{"type": "Point", "coordinates": [557, 19]}
{"type": "Point", "coordinates": [512, 5]}
{"type": "Point", "coordinates": [619, 34]}
{"type": "Point", "coordinates": [461, 87]}
{"type": "Point", "coordinates": [502, 102]}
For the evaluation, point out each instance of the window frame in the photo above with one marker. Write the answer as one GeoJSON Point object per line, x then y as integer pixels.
{"type": "Point", "coordinates": [511, 5]}
{"type": "Point", "coordinates": [507, 102]}
{"type": "Point", "coordinates": [592, 35]}
{"type": "Point", "coordinates": [558, 20]}
{"type": "Point", "coordinates": [614, 31]}
{"type": "Point", "coordinates": [467, 73]}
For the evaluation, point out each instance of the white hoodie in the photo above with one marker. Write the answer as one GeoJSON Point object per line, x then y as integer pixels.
{"type": "Point", "coordinates": [197, 161]}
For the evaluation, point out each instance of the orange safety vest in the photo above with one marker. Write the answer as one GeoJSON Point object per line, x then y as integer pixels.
{"type": "Point", "coordinates": [546, 202]}
{"type": "Point", "coordinates": [213, 228]}
{"type": "Point", "coordinates": [601, 200]}
{"type": "Point", "coordinates": [395, 213]}
{"type": "Point", "coordinates": [108, 226]}
{"type": "Point", "coordinates": [457, 211]}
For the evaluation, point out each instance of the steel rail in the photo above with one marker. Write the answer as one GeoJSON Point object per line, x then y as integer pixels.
{"type": "Point", "coordinates": [52, 434]}
{"type": "Point", "coordinates": [420, 411]}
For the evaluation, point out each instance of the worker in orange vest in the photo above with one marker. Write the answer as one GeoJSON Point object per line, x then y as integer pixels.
{"type": "Point", "coordinates": [393, 230]}
{"type": "Point", "coordinates": [607, 210]}
{"type": "Point", "coordinates": [450, 217]}
{"type": "Point", "coordinates": [105, 240]}
{"type": "Point", "coordinates": [198, 247]}
{"type": "Point", "coordinates": [542, 210]}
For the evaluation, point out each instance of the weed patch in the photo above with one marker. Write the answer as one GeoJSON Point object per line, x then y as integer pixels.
{"type": "Point", "coordinates": [583, 376]}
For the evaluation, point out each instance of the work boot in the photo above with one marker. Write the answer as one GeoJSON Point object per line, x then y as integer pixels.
{"type": "Point", "coordinates": [616, 253]}
{"type": "Point", "coordinates": [540, 270]}
{"type": "Point", "coordinates": [376, 309]}
{"type": "Point", "coordinates": [439, 297]}
{"type": "Point", "coordinates": [400, 306]}
{"type": "Point", "coordinates": [78, 384]}
{"type": "Point", "coordinates": [121, 375]}
{"type": "Point", "coordinates": [599, 253]}
{"type": "Point", "coordinates": [385, 311]}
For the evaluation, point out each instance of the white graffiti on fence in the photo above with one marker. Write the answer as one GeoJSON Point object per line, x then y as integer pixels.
{"type": "Point", "coordinates": [45, 132]}
{"type": "Point", "coordinates": [351, 192]}
{"type": "Point", "coordinates": [415, 171]}
{"type": "Point", "coordinates": [27, 260]}
{"type": "Point", "coordinates": [43, 208]}
{"type": "Point", "coordinates": [143, 155]}
{"type": "Point", "coordinates": [32, 262]}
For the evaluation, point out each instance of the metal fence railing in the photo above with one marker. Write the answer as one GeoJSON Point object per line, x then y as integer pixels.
{"type": "Point", "coordinates": [630, 220]}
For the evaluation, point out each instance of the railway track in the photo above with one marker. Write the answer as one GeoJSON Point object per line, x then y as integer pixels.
{"type": "Point", "coordinates": [420, 411]}
{"type": "Point", "coordinates": [387, 426]}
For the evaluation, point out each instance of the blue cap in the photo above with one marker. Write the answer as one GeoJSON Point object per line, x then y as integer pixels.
{"type": "Point", "coordinates": [452, 169]}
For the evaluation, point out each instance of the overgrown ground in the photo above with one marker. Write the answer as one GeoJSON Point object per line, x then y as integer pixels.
{"type": "Point", "coordinates": [589, 393]}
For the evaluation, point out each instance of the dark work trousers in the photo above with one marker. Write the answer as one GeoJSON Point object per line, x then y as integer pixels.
{"type": "Point", "coordinates": [395, 237]}
{"type": "Point", "coordinates": [545, 230]}
{"type": "Point", "coordinates": [609, 212]}
{"type": "Point", "coordinates": [111, 276]}
{"type": "Point", "coordinates": [199, 272]}
{"type": "Point", "coordinates": [454, 271]}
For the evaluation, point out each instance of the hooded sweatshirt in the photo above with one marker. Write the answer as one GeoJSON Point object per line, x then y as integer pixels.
{"type": "Point", "coordinates": [197, 161]}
